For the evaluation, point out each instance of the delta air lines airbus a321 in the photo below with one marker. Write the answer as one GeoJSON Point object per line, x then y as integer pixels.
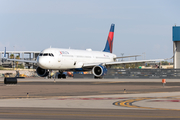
{"type": "Point", "coordinates": [78, 60]}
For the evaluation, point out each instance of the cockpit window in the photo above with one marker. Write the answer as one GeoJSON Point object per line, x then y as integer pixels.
{"type": "Point", "coordinates": [46, 54]}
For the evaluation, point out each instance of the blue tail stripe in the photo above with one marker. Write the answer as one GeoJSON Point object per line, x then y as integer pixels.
{"type": "Point", "coordinates": [112, 28]}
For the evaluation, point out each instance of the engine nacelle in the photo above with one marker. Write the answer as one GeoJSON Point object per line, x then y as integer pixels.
{"type": "Point", "coordinates": [42, 72]}
{"type": "Point", "coordinates": [99, 70]}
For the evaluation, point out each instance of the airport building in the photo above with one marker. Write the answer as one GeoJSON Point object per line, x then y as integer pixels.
{"type": "Point", "coordinates": [23, 55]}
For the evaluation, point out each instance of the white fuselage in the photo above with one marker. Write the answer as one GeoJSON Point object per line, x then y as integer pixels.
{"type": "Point", "coordinates": [62, 59]}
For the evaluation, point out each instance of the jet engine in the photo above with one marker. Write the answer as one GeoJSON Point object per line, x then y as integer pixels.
{"type": "Point", "coordinates": [99, 71]}
{"type": "Point", "coordinates": [42, 72]}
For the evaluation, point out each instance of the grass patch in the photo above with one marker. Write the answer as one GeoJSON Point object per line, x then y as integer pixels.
{"type": "Point", "coordinates": [1, 68]}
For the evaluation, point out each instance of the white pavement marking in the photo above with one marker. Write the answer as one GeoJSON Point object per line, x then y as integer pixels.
{"type": "Point", "coordinates": [160, 105]}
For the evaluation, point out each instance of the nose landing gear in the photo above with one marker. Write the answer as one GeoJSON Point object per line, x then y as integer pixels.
{"type": "Point", "coordinates": [61, 75]}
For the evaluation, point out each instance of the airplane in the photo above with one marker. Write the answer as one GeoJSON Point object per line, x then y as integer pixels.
{"type": "Point", "coordinates": [78, 60]}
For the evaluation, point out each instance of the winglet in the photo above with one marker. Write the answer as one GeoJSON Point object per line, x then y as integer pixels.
{"type": "Point", "coordinates": [109, 43]}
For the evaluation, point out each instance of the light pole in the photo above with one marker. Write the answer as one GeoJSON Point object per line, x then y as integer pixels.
{"type": "Point", "coordinates": [14, 51]}
{"type": "Point", "coordinates": [14, 56]}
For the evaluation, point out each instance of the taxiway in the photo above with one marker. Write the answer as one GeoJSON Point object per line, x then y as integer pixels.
{"type": "Point", "coordinates": [39, 98]}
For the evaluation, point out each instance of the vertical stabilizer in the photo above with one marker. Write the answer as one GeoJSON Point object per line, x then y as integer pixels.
{"type": "Point", "coordinates": [109, 43]}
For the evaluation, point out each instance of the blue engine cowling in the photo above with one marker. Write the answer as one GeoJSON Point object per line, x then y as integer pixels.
{"type": "Point", "coordinates": [42, 72]}
{"type": "Point", "coordinates": [99, 70]}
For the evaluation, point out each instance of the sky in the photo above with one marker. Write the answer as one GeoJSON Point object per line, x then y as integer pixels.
{"type": "Point", "coordinates": [141, 26]}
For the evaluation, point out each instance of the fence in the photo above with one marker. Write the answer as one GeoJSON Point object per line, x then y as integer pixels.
{"type": "Point", "coordinates": [143, 73]}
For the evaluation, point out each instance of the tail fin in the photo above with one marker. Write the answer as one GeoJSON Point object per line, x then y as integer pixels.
{"type": "Point", "coordinates": [109, 43]}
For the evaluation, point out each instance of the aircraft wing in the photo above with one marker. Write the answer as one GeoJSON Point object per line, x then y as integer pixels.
{"type": "Point", "coordinates": [121, 62]}
{"type": "Point", "coordinates": [18, 60]}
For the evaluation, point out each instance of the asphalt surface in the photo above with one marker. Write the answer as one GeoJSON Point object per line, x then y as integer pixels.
{"type": "Point", "coordinates": [85, 114]}
{"type": "Point", "coordinates": [35, 98]}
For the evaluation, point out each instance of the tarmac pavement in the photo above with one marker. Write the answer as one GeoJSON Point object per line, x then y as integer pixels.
{"type": "Point", "coordinates": [90, 99]}
{"type": "Point", "coordinates": [163, 101]}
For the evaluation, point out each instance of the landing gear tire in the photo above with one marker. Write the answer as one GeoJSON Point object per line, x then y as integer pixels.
{"type": "Point", "coordinates": [59, 76]}
{"type": "Point", "coordinates": [63, 76]}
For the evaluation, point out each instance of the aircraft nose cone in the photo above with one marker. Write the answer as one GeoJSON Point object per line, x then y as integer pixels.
{"type": "Point", "coordinates": [41, 62]}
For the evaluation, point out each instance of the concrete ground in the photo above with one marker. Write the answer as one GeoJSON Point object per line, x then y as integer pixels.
{"type": "Point", "coordinates": [39, 98]}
